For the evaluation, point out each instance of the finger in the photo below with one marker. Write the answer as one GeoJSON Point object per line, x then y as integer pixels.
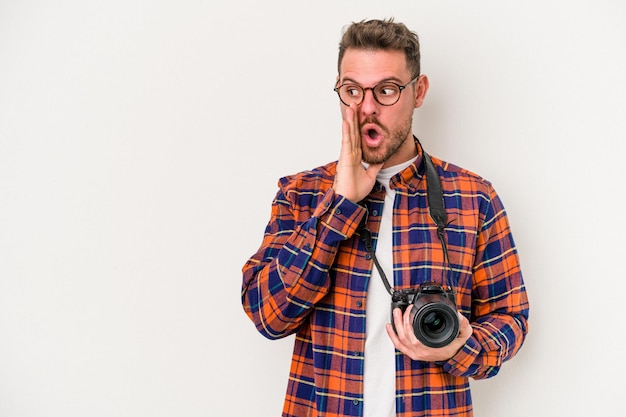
{"type": "Point", "coordinates": [355, 135]}
{"type": "Point", "coordinates": [346, 153]}
{"type": "Point", "coordinates": [407, 322]}
{"type": "Point", "coordinates": [346, 129]}
{"type": "Point", "coordinates": [465, 327]}
{"type": "Point", "coordinates": [398, 322]}
{"type": "Point", "coordinates": [397, 343]}
{"type": "Point", "coordinates": [395, 330]}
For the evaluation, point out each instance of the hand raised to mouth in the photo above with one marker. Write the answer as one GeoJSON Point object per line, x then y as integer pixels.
{"type": "Point", "coordinates": [352, 180]}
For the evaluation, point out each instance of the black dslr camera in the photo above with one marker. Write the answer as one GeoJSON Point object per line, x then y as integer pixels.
{"type": "Point", "coordinates": [434, 315]}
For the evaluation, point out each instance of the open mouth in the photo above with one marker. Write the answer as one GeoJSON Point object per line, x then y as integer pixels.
{"type": "Point", "coordinates": [372, 135]}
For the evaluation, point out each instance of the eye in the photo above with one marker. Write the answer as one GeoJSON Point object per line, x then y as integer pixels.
{"type": "Point", "coordinates": [387, 90]}
{"type": "Point", "coordinates": [352, 90]}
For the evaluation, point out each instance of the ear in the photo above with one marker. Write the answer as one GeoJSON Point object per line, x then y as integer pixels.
{"type": "Point", "coordinates": [421, 88]}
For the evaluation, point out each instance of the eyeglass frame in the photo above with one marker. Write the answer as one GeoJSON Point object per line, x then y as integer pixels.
{"type": "Point", "coordinates": [400, 88]}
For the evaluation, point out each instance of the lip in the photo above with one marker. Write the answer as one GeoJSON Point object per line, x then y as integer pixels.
{"type": "Point", "coordinates": [372, 135]}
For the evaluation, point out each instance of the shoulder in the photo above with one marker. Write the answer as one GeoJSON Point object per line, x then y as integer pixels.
{"type": "Point", "coordinates": [463, 179]}
{"type": "Point", "coordinates": [309, 184]}
{"type": "Point", "coordinates": [467, 191]}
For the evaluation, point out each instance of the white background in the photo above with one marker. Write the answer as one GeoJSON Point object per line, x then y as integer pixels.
{"type": "Point", "coordinates": [141, 142]}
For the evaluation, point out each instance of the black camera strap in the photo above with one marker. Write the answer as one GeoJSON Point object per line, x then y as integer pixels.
{"type": "Point", "coordinates": [436, 209]}
{"type": "Point", "coordinates": [366, 238]}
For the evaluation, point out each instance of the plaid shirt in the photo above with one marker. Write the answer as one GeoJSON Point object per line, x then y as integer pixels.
{"type": "Point", "coordinates": [310, 277]}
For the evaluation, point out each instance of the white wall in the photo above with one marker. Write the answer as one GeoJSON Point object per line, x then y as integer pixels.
{"type": "Point", "coordinates": [141, 142]}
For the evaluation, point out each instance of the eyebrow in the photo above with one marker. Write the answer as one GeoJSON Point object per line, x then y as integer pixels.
{"type": "Point", "coordinates": [388, 79]}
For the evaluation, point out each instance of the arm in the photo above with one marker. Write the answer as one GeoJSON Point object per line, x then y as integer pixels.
{"type": "Point", "coordinates": [288, 275]}
{"type": "Point", "coordinates": [499, 301]}
{"type": "Point", "coordinates": [499, 307]}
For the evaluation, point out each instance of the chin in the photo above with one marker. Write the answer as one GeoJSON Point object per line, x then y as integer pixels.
{"type": "Point", "coordinates": [374, 159]}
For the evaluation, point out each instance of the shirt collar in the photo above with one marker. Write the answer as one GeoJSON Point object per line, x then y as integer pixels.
{"type": "Point", "coordinates": [412, 175]}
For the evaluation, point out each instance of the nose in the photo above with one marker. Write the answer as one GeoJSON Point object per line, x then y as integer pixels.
{"type": "Point", "coordinates": [369, 105]}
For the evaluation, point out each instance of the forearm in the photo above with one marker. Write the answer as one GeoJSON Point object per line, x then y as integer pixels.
{"type": "Point", "coordinates": [498, 303]}
{"type": "Point", "coordinates": [494, 340]}
{"type": "Point", "coordinates": [288, 275]}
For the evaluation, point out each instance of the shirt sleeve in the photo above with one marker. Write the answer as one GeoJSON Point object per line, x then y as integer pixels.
{"type": "Point", "coordinates": [288, 275]}
{"type": "Point", "coordinates": [500, 309]}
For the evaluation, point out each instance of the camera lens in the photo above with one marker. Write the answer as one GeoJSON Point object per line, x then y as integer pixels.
{"type": "Point", "coordinates": [435, 320]}
{"type": "Point", "coordinates": [434, 323]}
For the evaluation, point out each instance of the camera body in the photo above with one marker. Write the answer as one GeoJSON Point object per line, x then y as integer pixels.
{"type": "Point", "coordinates": [434, 315]}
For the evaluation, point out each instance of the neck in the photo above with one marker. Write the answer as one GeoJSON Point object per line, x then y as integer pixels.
{"type": "Point", "coordinates": [406, 152]}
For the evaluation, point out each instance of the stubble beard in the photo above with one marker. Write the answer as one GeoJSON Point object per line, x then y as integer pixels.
{"type": "Point", "coordinates": [396, 139]}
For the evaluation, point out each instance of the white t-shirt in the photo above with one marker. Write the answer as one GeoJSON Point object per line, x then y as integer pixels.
{"type": "Point", "coordinates": [380, 367]}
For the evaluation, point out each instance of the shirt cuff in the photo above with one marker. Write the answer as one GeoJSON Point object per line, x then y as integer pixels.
{"type": "Point", "coordinates": [340, 215]}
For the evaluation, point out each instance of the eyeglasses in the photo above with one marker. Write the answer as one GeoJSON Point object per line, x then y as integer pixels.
{"type": "Point", "coordinates": [386, 93]}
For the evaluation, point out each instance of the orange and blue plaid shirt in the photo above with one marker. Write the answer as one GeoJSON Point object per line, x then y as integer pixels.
{"type": "Point", "coordinates": [311, 272]}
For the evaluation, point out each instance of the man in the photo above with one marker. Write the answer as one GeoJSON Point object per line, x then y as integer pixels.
{"type": "Point", "coordinates": [314, 277]}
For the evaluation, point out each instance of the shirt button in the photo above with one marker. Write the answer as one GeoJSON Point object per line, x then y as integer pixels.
{"type": "Point", "coordinates": [368, 256]}
{"type": "Point", "coordinates": [338, 211]}
{"type": "Point", "coordinates": [357, 354]}
{"type": "Point", "coordinates": [359, 304]}
{"type": "Point", "coordinates": [356, 402]}
{"type": "Point", "coordinates": [374, 212]}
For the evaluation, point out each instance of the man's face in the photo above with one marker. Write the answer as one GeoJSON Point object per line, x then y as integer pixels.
{"type": "Point", "coordinates": [386, 133]}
